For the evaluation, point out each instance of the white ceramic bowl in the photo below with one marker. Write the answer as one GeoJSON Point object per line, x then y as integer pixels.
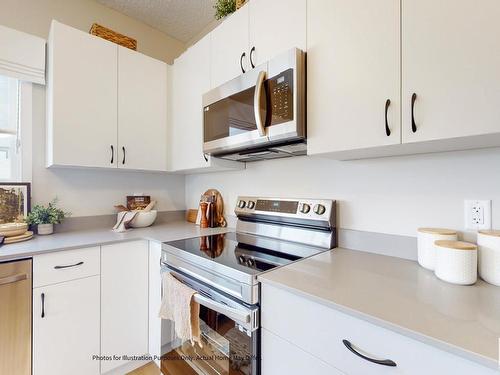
{"type": "Point", "coordinates": [144, 219]}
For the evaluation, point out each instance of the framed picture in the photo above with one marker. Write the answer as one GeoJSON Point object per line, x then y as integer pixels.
{"type": "Point", "coordinates": [15, 201]}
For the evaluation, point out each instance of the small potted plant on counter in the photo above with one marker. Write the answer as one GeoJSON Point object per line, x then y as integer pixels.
{"type": "Point", "coordinates": [45, 217]}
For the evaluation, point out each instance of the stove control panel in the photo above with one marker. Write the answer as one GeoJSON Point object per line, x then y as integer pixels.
{"type": "Point", "coordinates": [299, 208]}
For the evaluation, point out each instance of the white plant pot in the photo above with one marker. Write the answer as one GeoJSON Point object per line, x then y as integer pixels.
{"type": "Point", "coordinates": [44, 229]}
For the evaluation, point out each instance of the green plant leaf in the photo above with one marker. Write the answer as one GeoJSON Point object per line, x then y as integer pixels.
{"type": "Point", "coordinates": [46, 215]}
{"type": "Point", "coordinates": [224, 8]}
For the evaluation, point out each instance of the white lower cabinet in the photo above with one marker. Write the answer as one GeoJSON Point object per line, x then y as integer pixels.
{"type": "Point", "coordinates": [155, 321]}
{"type": "Point", "coordinates": [124, 301]}
{"type": "Point", "coordinates": [281, 357]}
{"type": "Point", "coordinates": [319, 331]}
{"type": "Point", "coordinates": [66, 328]}
{"type": "Point", "coordinates": [94, 302]}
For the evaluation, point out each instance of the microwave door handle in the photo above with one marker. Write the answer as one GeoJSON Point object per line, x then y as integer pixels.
{"type": "Point", "coordinates": [256, 103]}
{"type": "Point", "coordinates": [237, 315]}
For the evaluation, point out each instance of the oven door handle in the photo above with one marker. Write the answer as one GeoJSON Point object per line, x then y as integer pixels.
{"type": "Point", "coordinates": [256, 103]}
{"type": "Point", "coordinates": [232, 313]}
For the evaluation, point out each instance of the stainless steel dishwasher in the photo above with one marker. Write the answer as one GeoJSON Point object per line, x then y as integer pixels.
{"type": "Point", "coordinates": [15, 317]}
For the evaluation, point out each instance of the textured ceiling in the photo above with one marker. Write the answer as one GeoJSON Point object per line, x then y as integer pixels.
{"type": "Point", "coordinates": [181, 19]}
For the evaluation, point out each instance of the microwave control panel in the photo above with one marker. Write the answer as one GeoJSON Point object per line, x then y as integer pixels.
{"type": "Point", "coordinates": [280, 89]}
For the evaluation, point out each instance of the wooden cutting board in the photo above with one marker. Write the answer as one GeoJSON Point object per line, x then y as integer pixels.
{"type": "Point", "coordinates": [23, 237]}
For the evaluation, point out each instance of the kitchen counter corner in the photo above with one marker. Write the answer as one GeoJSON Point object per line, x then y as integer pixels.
{"type": "Point", "coordinates": [399, 295]}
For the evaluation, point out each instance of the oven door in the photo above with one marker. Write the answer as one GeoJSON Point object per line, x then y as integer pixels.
{"type": "Point", "coordinates": [229, 331]}
{"type": "Point", "coordinates": [263, 106]}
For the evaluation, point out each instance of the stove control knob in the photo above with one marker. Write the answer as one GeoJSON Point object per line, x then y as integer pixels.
{"type": "Point", "coordinates": [251, 205]}
{"type": "Point", "coordinates": [250, 262]}
{"type": "Point", "coordinates": [319, 209]}
{"type": "Point", "coordinates": [305, 208]}
{"type": "Point", "coordinates": [241, 259]}
{"type": "Point", "coordinates": [242, 204]}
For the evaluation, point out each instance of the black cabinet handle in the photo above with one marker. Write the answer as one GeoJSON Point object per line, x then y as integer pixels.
{"type": "Point", "coordinates": [387, 130]}
{"type": "Point", "coordinates": [241, 62]}
{"type": "Point", "coordinates": [205, 157]}
{"type": "Point", "coordinates": [383, 362]}
{"type": "Point", "coordinates": [123, 149]}
{"type": "Point", "coordinates": [413, 125]}
{"type": "Point", "coordinates": [68, 266]}
{"type": "Point", "coordinates": [251, 57]}
{"type": "Point", "coordinates": [43, 305]}
{"type": "Point", "coordinates": [112, 154]}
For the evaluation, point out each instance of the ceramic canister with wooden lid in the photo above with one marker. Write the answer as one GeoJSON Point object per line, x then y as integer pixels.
{"type": "Point", "coordinates": [456, 262]}
{"type": "Point", "coordinates": [426, 238]}
{"type": "Point", "coordinates": [488, 242]}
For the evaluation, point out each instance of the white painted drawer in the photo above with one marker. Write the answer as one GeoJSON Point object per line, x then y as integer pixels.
{"type": "Point", "coordinates": [65, 265]}
{"type": "Point", "coordinates": [281, 357]}
{"type": "Point", "coordinates": [319, 330]}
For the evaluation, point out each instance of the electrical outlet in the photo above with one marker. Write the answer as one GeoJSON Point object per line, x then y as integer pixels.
{"type": "Point", "coordinates": [477, 214]}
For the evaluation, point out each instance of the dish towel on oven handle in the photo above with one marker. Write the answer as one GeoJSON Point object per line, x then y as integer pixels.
{"type": "Point", "coordinates": [179, 306]}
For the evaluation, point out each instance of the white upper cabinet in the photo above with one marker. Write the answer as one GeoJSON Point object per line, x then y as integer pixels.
{"type": "Point", "coordinates": [229, 48]}
{"type": "Point", "coordinates": [81, 99]}
{"type": "Point", "coordinates": [274, 27]}
{"type": "Point", "coordinates": [353, 74]}
{"type": "Point", "coordinates": [142, 111]}
{"type": "Point", "coordinates": [106, 104]}
{"type": "Point", "coordinates": [451, 60]}
{"type": "Point", "coordinates": [190, 79]}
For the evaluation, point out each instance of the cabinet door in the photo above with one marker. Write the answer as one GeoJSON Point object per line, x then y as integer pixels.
{"type": "Point", "coordinates": [191, 79]}
{"type": "Point", "coordinates": [353, 69]}
{"type": "Point", "coordinates": [142, 111]}
{"type": "Point", "coordinates": [276, 26]}
{"type": "Point", "coordinates": [66, 328]}
{"type": "Point", "coordinates": [124, 295]}
{"type": "Point", "coordinates": [154, 300]}
{"type": "Point", "coordinates": [228, 42]}
{"type": "Point", "coordinates": [81, 99]}
{"type": "Point", "coordinates": [281, 357]}
{"type": "Point", "coordinates": [451, 61]}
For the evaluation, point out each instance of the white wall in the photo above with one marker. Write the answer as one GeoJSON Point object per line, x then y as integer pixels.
{"type": "Point", "coordinates": [86, 192]}
{"type": "Point", "coordinates": [34, 17]}
{"type": "Point", "coordinates": [390, 195]}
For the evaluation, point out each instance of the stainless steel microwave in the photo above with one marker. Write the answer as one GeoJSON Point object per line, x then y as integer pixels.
{"type": "Point", "coordinates": [260, 114]}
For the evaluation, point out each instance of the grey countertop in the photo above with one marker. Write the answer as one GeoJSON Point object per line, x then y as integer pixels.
{"type": "Point", "coordinates": [401, 296]}
{"type": "Point", "coordinates": [391, 292]}
{"type": "Point", "coordinates": [78, 239]}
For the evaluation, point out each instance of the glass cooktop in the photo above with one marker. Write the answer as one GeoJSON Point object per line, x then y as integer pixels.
{"type": "Point", "coordinates": [246, 253]}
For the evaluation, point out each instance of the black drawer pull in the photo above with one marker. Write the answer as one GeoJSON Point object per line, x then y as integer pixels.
{"type": "Point", "coordinates": [112, 154]}
{"type": "Point", "coordinates": [241, 62]}
{"type": "Point", "coordinates": [123, 149]}
{"type": "Point", "coordinates": [383, 362]}
{"type": "Point", "coordinates": [387, 130]}
{"type": "Point", "coordinates": [413, 125]}
{"type": "Point", "coordinates": [251, 57]}
{"type": "Point", "coordinates": [68, 266]}
{"type": "Point", "coordinates": [43, 305]}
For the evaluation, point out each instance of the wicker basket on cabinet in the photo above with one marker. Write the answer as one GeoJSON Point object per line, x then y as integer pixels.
{"type": "Point", "coordinates": [113, 36]}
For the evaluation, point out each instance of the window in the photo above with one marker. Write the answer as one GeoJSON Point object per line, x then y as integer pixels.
{"type": "Point", "coordinates": [9, 129]}
{"type": "Point", "coordinates": [13, 114]}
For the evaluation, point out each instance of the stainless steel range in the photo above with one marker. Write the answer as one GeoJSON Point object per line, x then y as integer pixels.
{"type": "Point", "coordinates": [223, 269]}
